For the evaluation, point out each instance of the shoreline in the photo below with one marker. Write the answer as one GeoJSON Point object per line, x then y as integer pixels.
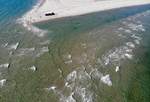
{"type": "Point", "coordinates": [68, 9]}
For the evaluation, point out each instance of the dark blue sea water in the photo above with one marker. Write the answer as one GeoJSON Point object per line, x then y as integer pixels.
{"type": "Point", "coordinates": [10, 9]}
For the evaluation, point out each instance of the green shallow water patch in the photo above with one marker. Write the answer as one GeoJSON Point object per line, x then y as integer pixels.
{"type": "Point", "coordinates": [139, 87]}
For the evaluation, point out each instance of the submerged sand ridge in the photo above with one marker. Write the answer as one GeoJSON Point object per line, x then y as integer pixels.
{"type": "Point", "coordinates": [65, 8]}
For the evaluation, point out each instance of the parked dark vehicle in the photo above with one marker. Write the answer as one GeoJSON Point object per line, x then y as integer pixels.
{"type": "Point", "coordinates": [50, 14]}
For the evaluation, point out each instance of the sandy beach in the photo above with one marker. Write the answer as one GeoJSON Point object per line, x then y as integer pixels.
{"type": "Point", "coordinates": [65, 8]}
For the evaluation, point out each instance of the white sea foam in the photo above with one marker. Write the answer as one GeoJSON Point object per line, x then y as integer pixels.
{"type": "Point", "coordinates": [72, 76]}
{"type": "Point", "coordinates": [106, 80]}
{"type": "Point", "coordinates": [84, 94]}
{"type": "Point", "coordinates": [25, 51]}
{"type": "Point", "coordinates": [36, 31]}
{"type": "Point", "coordinates": [2, 82]}
{"type": "Point", "coordinates": [60, 71]}
{"type": "Point", "coordinates": [130, 44]}
{"type": "Point", "coordinates": [51, 88]}
{"type": "Point", "coordinates": [6, 65]}
{"type": "Point", "coordinates": [68, 62]}
{"type": "Point", "coordinates": [83, 77]}
{"type": "Point", "coordinates": [121, 35]}
{"type": "Point", "coordinates": [115, 55]}
{"type": "Point", "coordinates": [13, 46]}
{"type": "Point", "coordinates": [66, 84]}
{"type": "Point", "coordinates": [33, 68]}
{"type": "Point", "coordinates": [84, 45]}
{"type": "Point", "coordinates": [42, 50]}
{"type": "Point", "coordinates": [137, 42]}
{"type": "Point", "coordinates": [96, 74]}
{"type": "Point", "coordinates": [136, 37]}
{"type": "Point", "coordinates": [120, 28]}
{"type": "Point", "coordinates": [4, 45]}
{"type": "Point", "coordinates": [78, 83]}
{"type": "Point", "coordinates": [68, 99]}
{"type": "Point", "coordinates": [129, 56]}
{"type": "Point", "coordinates": [117, 68]}
{"type": "Point", "coordinates": [125, 29]}
{"type": "Point", "coordinates": [62, 97]}
{"type": "Point", "coordinates": [68, 58]}
{"type": "Point", "coordinates": [84, 58]}
{"type": "Point", "coordinates": [136, 27]}
{"type": "Point", "coordinates": [129, 50]}
{"type": "Point", "coordinates": [45, 42]}
{"type": "Point", "coordinates": [128, 31]}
